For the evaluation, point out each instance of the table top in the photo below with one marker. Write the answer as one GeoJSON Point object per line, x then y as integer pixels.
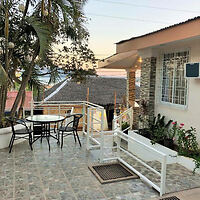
{"type": "Point", "coordinates": [45, 118]}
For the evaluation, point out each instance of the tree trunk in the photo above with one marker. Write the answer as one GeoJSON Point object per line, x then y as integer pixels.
{"type": "Point", "coordinates": [25, 80]}
{"type": "Point", "coordinates": [21, 108]}
{"type": "Point", "coordinates": [21, 90]}
{"type": "Point", "coordinates": [3, 89]}
{"type": "Point", "coordinates": [3, 96]}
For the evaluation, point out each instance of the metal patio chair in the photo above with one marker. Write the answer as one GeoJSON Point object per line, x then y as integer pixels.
{"type": "Point", "coordinates": [24, 133]}
{"type": "Point", "coordinates": [70, 130]}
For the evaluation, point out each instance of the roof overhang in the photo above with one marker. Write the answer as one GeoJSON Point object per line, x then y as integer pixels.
{"type": "Point", "coordinates": [178, 32]}
{"type": "Point", "coordinates": [123, 60]}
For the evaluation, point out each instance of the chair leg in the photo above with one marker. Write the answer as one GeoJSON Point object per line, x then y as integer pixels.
{"type": "Point", "coordinates": [61, 139]}
{"type": "Point", "coordinates": [74, 136]}
{"type": "Point", "coordinates": [30, 141]}
{"type": "Point", "coordinates": [58, 137]}
{"type": "Point", "coordinates": [78, 138]}
{"type": "Point", "coordinates": [11, 140]}
{"type": "Point", "coordinates": [41, 137]}
{"type": "Point", "coordinates": [11, 143]}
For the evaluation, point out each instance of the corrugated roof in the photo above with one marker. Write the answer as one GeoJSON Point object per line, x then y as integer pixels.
{"type": "Point", "coordinates": [101, 90]}
{"type": "Point", "coordinates": [189, 20]}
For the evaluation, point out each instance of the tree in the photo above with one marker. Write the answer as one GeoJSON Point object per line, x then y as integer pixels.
{"type": "Point", "coordinates": [31, 29]}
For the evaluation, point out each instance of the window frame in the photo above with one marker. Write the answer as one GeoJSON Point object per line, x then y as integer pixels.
{"type": "Point", "coordinates": [171, 104]}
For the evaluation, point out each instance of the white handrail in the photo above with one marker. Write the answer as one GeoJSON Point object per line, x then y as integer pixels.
{"type": "Point", "coordinates": [160, 156]}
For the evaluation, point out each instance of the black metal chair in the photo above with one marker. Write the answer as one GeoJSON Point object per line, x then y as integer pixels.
{"type": "Point", "coordinates": [24, 133]}
{"type": "Point", "coordinates": [70, 130]}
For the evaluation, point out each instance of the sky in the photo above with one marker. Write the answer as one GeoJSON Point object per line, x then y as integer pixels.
{"type": "Point", "coordinates": [111, 21]}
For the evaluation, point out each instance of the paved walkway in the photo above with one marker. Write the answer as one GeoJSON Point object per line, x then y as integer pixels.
{"type": "Point", "coordinates": [60, 175]}
{"type": "Point", "coordinates": [64, 175]}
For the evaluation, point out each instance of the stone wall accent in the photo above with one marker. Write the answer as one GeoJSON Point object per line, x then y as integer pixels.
{"type": "Point", "coordinates": [131, 95]}
{"type": "Point", "coordinates": [147, 84]}
{"type": "Point", "coordinates": [131, 87]}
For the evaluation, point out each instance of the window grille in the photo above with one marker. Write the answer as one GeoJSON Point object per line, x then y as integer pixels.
{"type": "Point", "coordinates": [174, 85]}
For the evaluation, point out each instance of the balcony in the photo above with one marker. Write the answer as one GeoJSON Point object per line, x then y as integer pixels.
{"type": "Point", "coordinates": [64, 174]}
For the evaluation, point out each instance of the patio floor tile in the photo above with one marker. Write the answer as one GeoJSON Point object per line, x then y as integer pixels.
{"type": "Point", "coordinates": [64, 175]}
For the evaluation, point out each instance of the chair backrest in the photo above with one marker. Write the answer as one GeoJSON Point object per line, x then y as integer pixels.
{"type": "Point", "coordinates": [14, 121]}
{"type": "Point", "coordinates": [76, 120]}
{"type": "Point", "coordinates": [11, 121]}
{"type": "Point", "coordinates": [69, 119]}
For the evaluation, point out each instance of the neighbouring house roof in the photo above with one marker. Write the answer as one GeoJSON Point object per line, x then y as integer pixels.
{"type": "Point", "coordinates": [11, 95]}
{"type": "Point", "coordinates": [162, 29]}
{"type": "Point", "coordinates": [101, 90]}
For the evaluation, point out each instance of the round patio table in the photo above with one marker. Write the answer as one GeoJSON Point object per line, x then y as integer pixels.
{"type": "Point", "coordinates": [45, 121]}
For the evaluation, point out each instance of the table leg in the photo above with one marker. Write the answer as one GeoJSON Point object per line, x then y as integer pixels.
{"type": "Point", "coordinates": [48, 133]}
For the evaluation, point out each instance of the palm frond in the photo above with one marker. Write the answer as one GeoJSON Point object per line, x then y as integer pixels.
{"type": "Point", "coordinates": [44, 34]}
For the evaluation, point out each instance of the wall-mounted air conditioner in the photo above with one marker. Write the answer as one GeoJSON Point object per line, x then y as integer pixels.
{"type": "Point", "coordinates": [192, 70]}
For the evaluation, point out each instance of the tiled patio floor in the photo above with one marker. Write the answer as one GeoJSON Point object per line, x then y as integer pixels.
{"type": "Point", "coordinates": [60, 174]}
{"type": "Point", "coordinates": [64, 175]}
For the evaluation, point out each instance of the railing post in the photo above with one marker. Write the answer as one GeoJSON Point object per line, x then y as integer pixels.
{"type": "Point", "coordinates": [131, 118]}
{"type": "Point", "coordinates": [118, 144]}
{"type": "Point", "coordinates": [163, 176]}
{"type": "Point", "coordinates": [88, 129]}
{"type": "Point", "coordinates": [92, 122]}
{"type": "Point", "coordinates": [84, 113]}
{"type": "Point", "coordinates": [102, 136]}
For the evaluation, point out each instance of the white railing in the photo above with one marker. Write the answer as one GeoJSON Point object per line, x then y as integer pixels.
{"type": "Point", "coordinates": [125, 117]}
{"type": "Point", "coordinates": [161, 157]}
{"type": "Point", "coordinates": [94, 115]}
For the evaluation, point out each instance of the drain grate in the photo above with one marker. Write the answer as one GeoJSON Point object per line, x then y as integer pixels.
{"type": "Point", "coordinates": [171, 198]}
{"type": "Point", "coordinates": [107, 173]}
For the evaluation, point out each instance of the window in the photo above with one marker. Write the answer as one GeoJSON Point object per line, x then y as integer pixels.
{"type": "Point", "coordinates": [174, 85]}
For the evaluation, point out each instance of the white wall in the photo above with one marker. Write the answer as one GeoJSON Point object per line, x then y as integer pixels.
{"type": "Point", "coordinates": [190, 115]}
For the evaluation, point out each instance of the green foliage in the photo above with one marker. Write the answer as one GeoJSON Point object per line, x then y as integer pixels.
{"type": "Point", "coordinates": [172, 132]}
{"type": "Point", "coordinates": [125, 125]}
{"type": "Point", "coordinates": [187, 141]}
{"type": "Point", "coordinates": [157, 128]}
{"type": "Point", "coordinates": [35, 36]}
{"type": "Point", "coordinates": [197, 163]}
{"type": "Point", "coordinates": [44, 33]}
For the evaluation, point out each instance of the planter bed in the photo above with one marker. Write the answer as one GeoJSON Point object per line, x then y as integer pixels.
{"type": "Point", "coordinates": [144, 154]}
{"type": "Point", "coordinates": [5, 135]}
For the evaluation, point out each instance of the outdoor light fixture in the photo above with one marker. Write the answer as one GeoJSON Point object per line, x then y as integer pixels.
{"type": "Point", "coordinates": [140, 59]}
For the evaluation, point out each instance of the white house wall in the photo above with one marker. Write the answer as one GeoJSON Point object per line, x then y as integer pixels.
{"type": "Point", "coordinates": [189, 115]}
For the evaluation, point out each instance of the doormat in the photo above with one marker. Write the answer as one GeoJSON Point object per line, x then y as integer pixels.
{"type": "Point", "coordinates": [171, 198]}
{"type": "Point", "coordinates": [112, 172]}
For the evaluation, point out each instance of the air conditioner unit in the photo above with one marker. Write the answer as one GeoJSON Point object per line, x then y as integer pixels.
{"type": "Point", "coordinates": [192, 70]}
